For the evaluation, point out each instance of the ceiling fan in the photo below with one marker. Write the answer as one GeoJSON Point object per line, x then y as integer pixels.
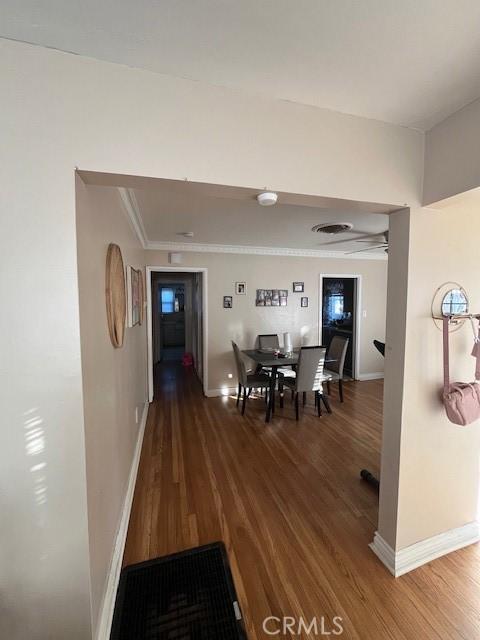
{"type": "Point", "coordinates": [375, 241]}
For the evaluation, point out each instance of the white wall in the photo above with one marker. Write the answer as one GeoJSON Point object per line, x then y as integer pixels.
{"type": "Point", "coordinates": [452, 155]}
{"type": "Point", "coordinates": [114, 380]}
{"type": "Point", "coordinates": [59, 112]}
{"type": "Point", "coordinates": [431, 466]}
{"type": "Point", "coordinates": [245, 321]}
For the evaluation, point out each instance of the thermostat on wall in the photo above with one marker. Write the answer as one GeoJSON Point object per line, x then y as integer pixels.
{"type": "Point", "coordinates": [175, 258]}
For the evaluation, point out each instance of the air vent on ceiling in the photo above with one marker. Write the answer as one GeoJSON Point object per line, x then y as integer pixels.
{"type": "Point", "coordinates": [339, 227]}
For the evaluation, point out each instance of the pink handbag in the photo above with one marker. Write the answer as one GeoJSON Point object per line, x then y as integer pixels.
{"type": "Point", "coordinates": [461, 399]}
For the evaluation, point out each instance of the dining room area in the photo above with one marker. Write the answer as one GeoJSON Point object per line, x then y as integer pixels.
{"type": "Point", "coordinates": [299, 373]}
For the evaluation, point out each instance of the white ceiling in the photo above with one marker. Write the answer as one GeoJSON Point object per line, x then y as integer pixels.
{"type": "Point", "coordinates": [409, 62]}
{"type": "Point", "coordinates": [169, 210]}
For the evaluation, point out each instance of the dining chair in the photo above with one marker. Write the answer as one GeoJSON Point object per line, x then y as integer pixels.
{"type": "Point", "coordinates": [379, 346]}
{"type": "Point", "coordinates": [247, 381]}
{"type": "Point", "coordinates": [309, 377]}
{"type": "Point", "coordinates": [268, 341]}
{"type": "Point", "coordinates": [271, 341]}
{"type": "Point", "coordinates": [336, 362]}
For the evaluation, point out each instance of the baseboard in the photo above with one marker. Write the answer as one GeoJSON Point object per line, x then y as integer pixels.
{"type": "Point", "coordinates": [409, 558]}
{"type": "Point", "coordinates": [106, 616]}
{"type": "Point", "coordinates": [378, 375]}
{"type": "Point", "coordinates": [223, 391]}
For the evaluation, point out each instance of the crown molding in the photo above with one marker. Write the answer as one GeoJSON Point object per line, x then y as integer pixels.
{"type": "Point", "coordinates": [132, 210]}
{"type": "Point", "coordinates": [261, 251]}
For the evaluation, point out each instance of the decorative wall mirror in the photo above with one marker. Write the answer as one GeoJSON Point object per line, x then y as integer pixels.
{"type": "Point", "coordinates": [450, 299]}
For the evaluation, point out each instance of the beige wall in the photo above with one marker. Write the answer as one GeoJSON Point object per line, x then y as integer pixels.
{"type": "Point", "coordinates": [114, 380]}
{"type": "Point", "coordinates": [436, 486]}
{"type": "Point", "coordinates": [61, 111]}
{"type": "Point", "coordinates": [245, 321]}
{"type": "Point", "coordinates": [452, 155]}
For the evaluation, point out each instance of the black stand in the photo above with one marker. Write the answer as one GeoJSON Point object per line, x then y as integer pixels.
{"type": "Point", "coordinates": [370, 479]}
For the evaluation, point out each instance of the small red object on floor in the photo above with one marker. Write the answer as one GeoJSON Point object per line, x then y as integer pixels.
{"type": "Point", "coordinates": [187, 359]}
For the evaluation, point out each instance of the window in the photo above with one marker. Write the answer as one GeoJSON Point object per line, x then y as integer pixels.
{"type": "Point", "coordinates": [168, 300]}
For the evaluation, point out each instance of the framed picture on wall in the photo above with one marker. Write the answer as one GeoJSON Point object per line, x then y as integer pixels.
{"type": "Point", "coordinates": [241, 288]}
{"type": "Point", "coordinates": [298, 287]}
{"type": "Point", "coordinates": [271, 298]}
{"type": "Point", "coordinates": [304, 301]}
{"type": "Point", "coordinates": [227, 302]}
{"type": "Point", "coordinates": [134, 296]}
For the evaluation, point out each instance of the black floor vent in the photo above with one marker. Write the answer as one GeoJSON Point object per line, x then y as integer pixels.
{"type": "Point", "coordinates": [185, 596]}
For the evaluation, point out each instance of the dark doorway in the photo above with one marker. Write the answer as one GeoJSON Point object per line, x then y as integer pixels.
{"type": "Point", "coordinates": [171, 323]}
{"type": "Point", "coordinates": [176, 321]}
{"type": "Point", "coordinates": [177, 318]}
{"type": "Point", "coordinates": [339, 312]}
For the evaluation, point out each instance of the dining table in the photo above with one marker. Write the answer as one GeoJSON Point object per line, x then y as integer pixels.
{"type": "Point", "coordinates": [272, 359]}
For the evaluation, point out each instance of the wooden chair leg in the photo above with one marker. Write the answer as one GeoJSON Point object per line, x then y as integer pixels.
{"type": "Point", "coordinates": [280, 391]}
{"type": "Point", "coordinates": [340, 389]}
{"type": "Point", "coordinates": [326, 403]}
{"type": "Point", "coordinates": [293, 395]}
{"type": "Point", "coordinates": [239, 393]}
{"type": "Point", "coordinates": [318, 403]}
{"type": "Point", "coordinates": [329, 390]}
{"type": "Point", "coordinates": [296, 406]}
{"type": "Point", "coordinates": [244, 403]}
{"type": "Point", "coordinates": [304, 400]}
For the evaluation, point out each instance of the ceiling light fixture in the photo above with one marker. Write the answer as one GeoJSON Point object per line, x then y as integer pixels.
{"type": "Point", "coordinates": [267, 198]}
{"type": "Point", "coordinates": [186, 234]}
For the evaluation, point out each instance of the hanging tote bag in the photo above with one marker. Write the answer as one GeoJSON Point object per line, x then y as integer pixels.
{"type": "Point", "coordinates": [461, 399]}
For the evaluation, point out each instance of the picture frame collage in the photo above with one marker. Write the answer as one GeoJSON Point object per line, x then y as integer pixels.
{"type": "Point", "coordinates": [271, 298]}
{"type": "Point", "coordinates": [267, 297]}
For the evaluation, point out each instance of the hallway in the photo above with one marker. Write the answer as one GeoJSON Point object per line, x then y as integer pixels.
{"type": "Point", "coordinates": [287, 500]}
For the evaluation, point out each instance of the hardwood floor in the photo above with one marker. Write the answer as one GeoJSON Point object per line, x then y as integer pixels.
{"type": "Point", "coordinates": [287, 500]}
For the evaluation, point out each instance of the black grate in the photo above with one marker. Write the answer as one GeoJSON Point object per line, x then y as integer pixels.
{"type": "Point", "coordinates": [184, 596]}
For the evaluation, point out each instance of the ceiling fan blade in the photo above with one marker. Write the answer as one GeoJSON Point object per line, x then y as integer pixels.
{"type": "Point", "coordinates": [379, 237]}
{"type": "Point", "coordinates": [378, 246]}
{"type": "Point", "coordinates": [350, 239]}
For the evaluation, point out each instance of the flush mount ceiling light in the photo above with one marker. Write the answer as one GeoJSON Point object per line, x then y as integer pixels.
{"type": "Point", "coordinates": [333, 228]}
{"type": "Point", "coordinates": [186, 234]}
{"type": "Point", "coordinates": [267, 198]}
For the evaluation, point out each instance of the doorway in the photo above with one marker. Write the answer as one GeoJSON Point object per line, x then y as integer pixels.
{"type": "Point", "coordinates": [339, 315]}
{"type": "Point", "coordinates": [176, 319]}
{"type": "Point", "coordinates": [172, 311]}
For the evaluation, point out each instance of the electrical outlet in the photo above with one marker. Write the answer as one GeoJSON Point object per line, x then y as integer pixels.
{"type": "Point", "coordinates": [364, 313]}
{"type": "Point", "coordinates": [136, 415]}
